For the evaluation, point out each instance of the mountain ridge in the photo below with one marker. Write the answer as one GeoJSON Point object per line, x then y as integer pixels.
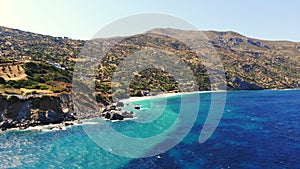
{"type": "Point", "coordinates": [249, 63]}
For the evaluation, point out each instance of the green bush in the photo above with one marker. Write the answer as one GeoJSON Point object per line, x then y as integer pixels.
{"type": "Point", "coordinates": [42, 73]}
{"type": "Point", "coordinates": [9, 92]}
{"type": "Point", "coordinates": [43, 87]}
{"type": "Point", "coordinates": [57, 91]}
{"type": "Point", "coordinates": [33, 87]}
{"type": "Point", "coordinates": [21, 83]}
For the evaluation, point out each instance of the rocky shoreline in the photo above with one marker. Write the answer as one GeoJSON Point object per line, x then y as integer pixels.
{"type": "Point", "coordinates": [22, 112]}
{"type": "Point", "coordinates": [115, 112]}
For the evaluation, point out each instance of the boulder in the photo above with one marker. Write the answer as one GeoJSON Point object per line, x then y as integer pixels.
{"type": "Point", "coordinates": [117, 116]}
{"type": "Point", "coordinates": [68, 124]}
{"type": "Point", "coordinates": [127, 114]}
{"type": "Point", "coordinates": [120, 104]}
{"type": "Point", "coordinates": [4, 124]}
{"type": "Point", "coordinates": [111, 107]}
{"type": "Point", "coordinates": [107, 115]}
{"type": "Point", "coordinates": [12, 123]}
{"type": "Point", "coordinates": [137, 107]}
{"type": "Point", "coordinates": [105, 110]}
{"type": "Point", "coordinates": [69, 116]}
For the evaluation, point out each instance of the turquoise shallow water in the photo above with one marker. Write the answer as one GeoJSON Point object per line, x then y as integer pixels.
{"type": "Point", "coordinates": [259, 129]}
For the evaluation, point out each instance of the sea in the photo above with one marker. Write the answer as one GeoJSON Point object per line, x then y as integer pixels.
{"type": "Point", "coordinates": [256, 129]}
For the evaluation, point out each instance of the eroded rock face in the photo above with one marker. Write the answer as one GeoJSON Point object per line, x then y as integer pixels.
{"type": "Point", "coordinates": [2, 106]}
{"type": "Point", "coordinates": [46, 103]}
{"type": "Point", "coordinates": [52, 117]}
{"type": "Point", "coordinates": [24, 111]}
{"type": "Point", "coordinates": [243, 85]}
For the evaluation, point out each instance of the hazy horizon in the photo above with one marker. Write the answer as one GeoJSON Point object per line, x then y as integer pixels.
{"type": "Point", "coordinates": [267, 20]}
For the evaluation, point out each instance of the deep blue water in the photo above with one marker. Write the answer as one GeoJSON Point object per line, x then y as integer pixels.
{"type": "Point", "coordinates": [258, 129]}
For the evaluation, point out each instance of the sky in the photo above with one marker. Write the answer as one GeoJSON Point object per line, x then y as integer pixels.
{"type": "Point", "coordinates": [81, 19]}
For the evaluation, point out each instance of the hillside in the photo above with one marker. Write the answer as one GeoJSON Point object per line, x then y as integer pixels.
{"type": "Point", "coordinates": [34, 63]}
{"type": "Point", "coordinates": [21, 45]}
{"type": "Point", "coordinates": [268, 64]}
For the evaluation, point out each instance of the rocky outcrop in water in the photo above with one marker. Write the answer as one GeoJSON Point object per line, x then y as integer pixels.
{"type": "Point", "coordinates": [115, 112]}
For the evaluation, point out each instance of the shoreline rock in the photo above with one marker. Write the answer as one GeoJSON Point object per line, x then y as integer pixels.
{"type": "Point", "coordinates": [138, 107]}
{"type": "Point", "coordinates": [22, 112]}
{"type": "Point", "coordinates": [18, 111]}
{"type": "Point", "coordinates": [115, 112]}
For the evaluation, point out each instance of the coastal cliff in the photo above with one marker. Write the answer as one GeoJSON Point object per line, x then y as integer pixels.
{"type": "Point", "coordinates": [30, 110]}
{"type": "Point", "coordinates": [23, 111]}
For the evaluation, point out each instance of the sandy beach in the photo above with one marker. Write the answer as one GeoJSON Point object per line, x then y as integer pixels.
{"type": "Point", "coordinates": [134, 99]}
